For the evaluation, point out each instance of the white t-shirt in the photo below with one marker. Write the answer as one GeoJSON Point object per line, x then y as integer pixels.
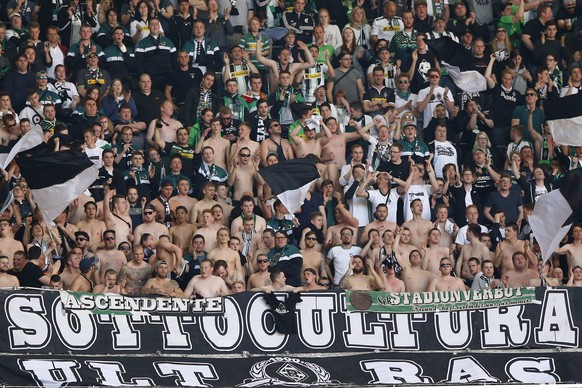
{"type": "Point", "coordinates": [421, 192]}
{"type": "Point", "coordinates": [462, 234]}
{"type": "Point", "coordinates": [341, 260]}
{"type": "Point", "coordinates": [439, 94]}
{"type": "Point", "coordinates": [444, 153]}
{"type": "Point", "coordinates": [391, 200]}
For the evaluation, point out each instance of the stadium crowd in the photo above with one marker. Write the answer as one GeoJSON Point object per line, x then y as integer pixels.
{"type": "Point", "coordinates": [423, 186]}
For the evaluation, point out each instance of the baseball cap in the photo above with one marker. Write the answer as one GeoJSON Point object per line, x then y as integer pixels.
{"type": "Point", "coordinates": [149, 206]}
{"type": "Point", "coordinates": [82, 234]}
{"type": "Point", "coordinates": [86, 263]}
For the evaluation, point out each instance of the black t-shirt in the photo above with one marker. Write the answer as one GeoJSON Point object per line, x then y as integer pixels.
{"type": "Point", "coordinates": [534, 29]}
{"type": "Point", "coordinates": [502, 105]}
{"type": "Point", "coordinates": [399, 171]}
{"type": "Point", "coordinates": [423, 64]}
{"type": "Point", "coordinates": [29, 275]}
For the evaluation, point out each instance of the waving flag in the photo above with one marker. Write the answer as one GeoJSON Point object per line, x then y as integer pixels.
{"type": "Point", "coordinates": [291, 180]}
{"type": "Point", "coordinates": [564, 119]}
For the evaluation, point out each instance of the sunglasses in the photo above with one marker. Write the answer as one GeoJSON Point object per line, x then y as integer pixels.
{"type": "Point", "coordinates": [108, 238]}
{"type": "Point", "coordinates": [445, 265]}
{"type": "Point", "coordinates": [276, 125]}
{"type": "Point", "coordinates": [403, 81]}
{"type": "Point", "coordinates": [310, 239]}
{"type": "Point", "coordinates": [501, 31]}
{"type": "Point", "coordinates": [262, 261]}
{"type": "Point", "coordinates": [324, 284]}
{"type": "Point", "coordinates": [530, 94]}
{"type": "Point", "coordinates": [148, 213]}
{"type": "Point", "coordinates": [245, 155]}
{"type": "Point", "coordinates": [125, 248]}
{"type": "Point", "coordinates": [435, 76]}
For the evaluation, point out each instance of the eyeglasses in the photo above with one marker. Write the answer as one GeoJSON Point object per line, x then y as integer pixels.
{"type": "Point", "coordinates": [42, 77]}
{"type": "Point", "coordinates": [108, 238]}
{"type": "Point", "coordinates": [346, 234]}
{"type": "Point", "coordinates": [124, 248]}
{"type": "Point", "coordinates": [262, 261]}
{"type": "Point", "coordinates": [148, 213]}
{"type": "Point", "coordinates": [310, 239]}
{"type": "Point", "coordinates": [530, 94]}
{"type": "Point", "coordinates": [445, 265]}
{"type": "Point", "coordinates": [245, 155]}
{"type": "Point", "coordinates": [403, 81]}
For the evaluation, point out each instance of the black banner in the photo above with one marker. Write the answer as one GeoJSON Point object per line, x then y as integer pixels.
{"type": "Point", "coordinates": [334, 369]}
{"type": "Point", "coordinates": [37, 322]}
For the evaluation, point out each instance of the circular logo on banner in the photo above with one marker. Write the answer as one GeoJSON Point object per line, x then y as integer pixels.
{"type": "Point", "coordinates": [286, 372]}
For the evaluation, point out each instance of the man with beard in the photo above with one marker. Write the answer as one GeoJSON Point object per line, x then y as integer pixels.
{"type": "Point", "coordinates": [7, 280]}
{"type": "Point", "coordinates": [356, 278]}
{"type": "Point", "coordinates": [110, 285]}
{"type": "Point", "coordinates": [381, 223]}
{"type": "Point", "coordinates": [341, 255]}
{"type": "Point", "coordinates": [161, 284]}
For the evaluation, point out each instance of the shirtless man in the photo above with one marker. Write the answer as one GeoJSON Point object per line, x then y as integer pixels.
{"type": "Point", "coordinates": [310, 284]}
{"type": "Point", "coordinates": [520, 275]}
{"type": "Point", "coordinates": [94, 227]}
{"type": "Point", "coordinates": [334, 144]}
{"type": "Point", "coordinates": [109, 256]}
{"type": "Point", "coordinates": [391, 282]}
{"type": "Point", "coordinates": [274, 143]}
{"type": "Point", "coordinates": [309, 145]}
{"type": "Point", "coordinates": [7, 280]}
{"type": "Point", "coordinates": [312, 257]}
{"type": "Point", "coordinates": [135, 272]}
{"type": "Point", "coordinates": [209, 229]}
{"type": "Point", "coordinates": [209, 191]}
{"type": "Point", "coordinates": [344, 219]}
{"type": "Point", "coordinates": [445, 282]}
{"type": "Point", "coordinates": [117, 218]}
{"type": "Point", "coordinates": [242, 171]}
{"type": "Point", "coordinates": [8, 245]}
{"type": "Point", "coordinates": [110, 285]}
{"type": "Point", "coordinates": [71, 271]}
{"type": "Point", "coordinates": [380, 224]}
{"type": "Point", "coordinates": [247, 205]}
{"type": "Point", "coordinates": [414, 277]}
{"type": "Point", "coordinates": [443, 224]}
{"type": "Point", "coordinates": [171, 254]}
{"type": "Point", "coordinates": [418, 226]}
{"type": "Point", "coordinates": [284, 63]}
{"type": "Point", "coordinates": [224, 200]}
{"type": "Point", "coordinates": [161, 284]}
{"type": "Point", "coordinates": [506, 248]}
{"type": "Point", "coordinates": [434, 252]}
{"type": "Point", "coordinates": [573, 251]}
{"type": "Point", "coordinates": [243, 140]}
{"type": "Point", "coordinates": [574, 278]}
{"type": "Point", "coordinates": [223, 252]}
{"type": "Point", "coordinates": [84, 282]}
{"type": "Point", "coordinates": [219, 144]}
{"type": "Point", "coordinates": [402, 245]}
{"type": "Point", "coordinates": [474, 248]}
{"type": "Point", "coordinates": [181, 234]}
{"type": "Point", "coordinates": [261, 278]}
{"type": "Point", "coordinates": [278, 283]}
{"type": "Point", "coordinates": [183, 199]}
{"type": "Point", "coordinates": [149, 224]}
{"type": "Point", "coordinates": [206, 284]}
{"type": "Point", "coordinates": [356, 279]}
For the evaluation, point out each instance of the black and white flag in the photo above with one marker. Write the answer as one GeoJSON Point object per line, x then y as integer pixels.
{"type": "Point", "coordinates": [56, 178]}
{"type": "Point", "coordinates": [290, 180]}
{"type": "Point", "coordinates": [28, 141]}
{"type": "Point", "coordinates": [564, 119]}
{"type": "Point", "coordinates": [551, 219]}
{"type": "Point", "coordinates": [459, 64]}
